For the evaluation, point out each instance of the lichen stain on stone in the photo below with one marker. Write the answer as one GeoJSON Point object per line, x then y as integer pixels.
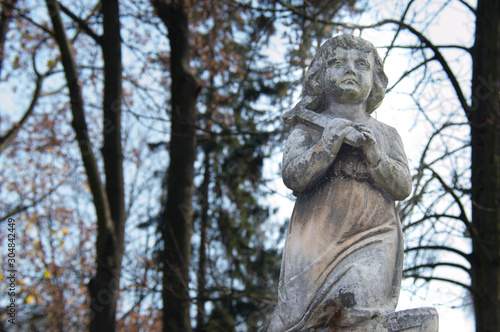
{"type": "Point", "coordinates": [331, 312]}
{"type": "Point", "coordinates": [318, 148]}
{"type": "Point", "coordinates": [326, 315]}
{"type": "Point", "coordinates": [348, 299]}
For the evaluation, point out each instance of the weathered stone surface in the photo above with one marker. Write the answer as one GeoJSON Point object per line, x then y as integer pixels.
{"type": "Point", "coordinates": [413, 320]}
{"type": "Point", "coordinates": [343, 254]}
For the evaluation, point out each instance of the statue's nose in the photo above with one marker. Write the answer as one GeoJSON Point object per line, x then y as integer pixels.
{"type": "Point", "coordinates": [350, 69]}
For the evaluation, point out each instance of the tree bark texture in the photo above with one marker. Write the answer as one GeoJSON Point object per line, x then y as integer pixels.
{"type": "Point", "coordinates": [484, 117]}
{"type": "Point", "coordinates": [177, 217]}
{"type": "Point", "coordinates": [104, 289]}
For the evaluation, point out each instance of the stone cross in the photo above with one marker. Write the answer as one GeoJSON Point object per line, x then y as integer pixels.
{"type": "Point", "coordinates": [343, 257]}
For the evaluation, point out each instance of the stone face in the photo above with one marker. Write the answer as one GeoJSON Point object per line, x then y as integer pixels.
{"type": "Point", "coordinates": [342, 261]}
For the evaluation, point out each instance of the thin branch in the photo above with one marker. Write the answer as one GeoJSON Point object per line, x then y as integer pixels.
{"type": "Point", "coordinates": [417, 47]}
{"type": "Point", "coordinates": [81, 23]}
{"type": "Point", "coordinates": [133, 308]}
{"type": "Point", "coordinates": [294, 10]}
{"type": "Point", "coordinates": [24, 16]}
{"type": "Point", "coordinates": [472, 9]}
{"type": "Point", "coordinates": [444, 248]}
{"type": "Point", "coordinates": [422, 164]}
{"type": "Point", "coordinates": [399, 29]}
{"type": "Point", "coordinates": [463, 216]}
{"type": "Point", "coordinates": [451, 281]}
{"type": "Point", "coordinates": [408, 72]}
{"type": "Point", "coordinates": [451, 152]}
{"type": "Point", "coordinates": [434, 265]}
{"type": "Point", "coordinates": [416, 198]}
{"type": "Point", "coordinates": [237, 4]}
{"type": "Point", "coordinates": [432, 216]}
{"type": "Point", "coordinates": [8, 138]}
{"type": "Point", "coordinates": [21, 207]}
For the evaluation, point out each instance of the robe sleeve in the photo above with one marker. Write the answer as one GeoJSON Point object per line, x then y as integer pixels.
{"type": "Point", "coordinates": [392, 173]}
{"type": "Point", "coordinates": [305, 159]}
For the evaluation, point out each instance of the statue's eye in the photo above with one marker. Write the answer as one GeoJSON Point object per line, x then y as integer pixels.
{"type": "Point", "coordinates": [363, 64]}
{"type": "Point", "coordinates": [335, 63]}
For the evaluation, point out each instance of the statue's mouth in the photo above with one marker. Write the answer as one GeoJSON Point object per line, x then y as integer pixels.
{"type": "Point", "coordinates": [349, 81]}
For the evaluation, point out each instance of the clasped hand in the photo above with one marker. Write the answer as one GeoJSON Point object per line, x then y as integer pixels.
{"type": "Point", "coordinates": [357, 135]}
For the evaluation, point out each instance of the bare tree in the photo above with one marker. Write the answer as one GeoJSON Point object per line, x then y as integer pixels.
{"type": "Point", "coordinates": [109, 197]}
{"type": "Point", "coordinates": [457, 201]}
{"type": "Point", "coordinates": [177, 217]}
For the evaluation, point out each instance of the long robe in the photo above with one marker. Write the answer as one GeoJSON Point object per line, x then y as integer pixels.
{"type": "Point", "coordinates": [343, 255]}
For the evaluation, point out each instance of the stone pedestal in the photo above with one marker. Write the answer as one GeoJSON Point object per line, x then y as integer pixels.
{"type": "Point", "coordinates": [412, 320]}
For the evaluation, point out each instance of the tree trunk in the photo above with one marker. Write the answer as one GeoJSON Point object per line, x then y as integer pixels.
{"type": "Point", "coordinates": [5, 17]}
{"type": "Point", "coordinates": [484, 119]}
{"type": "Point", "coordinates": [104, 289]}
{"type": "Point", "coordinates": [177, 217]}
{"type": "Point", "coordinates": [108, 200]}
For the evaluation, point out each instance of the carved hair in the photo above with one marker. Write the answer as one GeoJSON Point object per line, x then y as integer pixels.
{"type": "Point", "coordinates": [313, 94]}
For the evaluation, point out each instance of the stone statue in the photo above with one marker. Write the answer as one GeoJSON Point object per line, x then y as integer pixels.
{"type": "Point", "coordinates": [343, 255]}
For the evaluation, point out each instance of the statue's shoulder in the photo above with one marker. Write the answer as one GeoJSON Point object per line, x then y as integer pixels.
{"type": "Point", "coordinates": [387, 136]}
{"type": "Point", "coordinates": [385, 129]}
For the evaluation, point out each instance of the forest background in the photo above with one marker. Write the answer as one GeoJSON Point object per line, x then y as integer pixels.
{"type": "Point", "coordinates": [140, 146]}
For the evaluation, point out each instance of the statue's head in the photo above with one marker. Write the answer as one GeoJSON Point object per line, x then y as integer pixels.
{"type": "Point", "coordinates": [314, 81]}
